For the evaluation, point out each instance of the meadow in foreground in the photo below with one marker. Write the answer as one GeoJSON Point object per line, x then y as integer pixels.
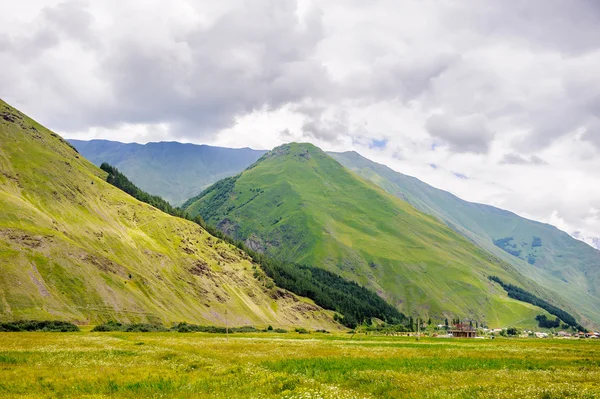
{"type": "Point", "coordinates": [173, 365]}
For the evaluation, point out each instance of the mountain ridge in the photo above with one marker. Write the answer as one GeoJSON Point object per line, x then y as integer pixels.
{"type": "Point", "coordinates": [74, 247]}
{"type": "Point", "coordinates": [175, 171]}
{"type": "Point", "coordinates": [298, 202]}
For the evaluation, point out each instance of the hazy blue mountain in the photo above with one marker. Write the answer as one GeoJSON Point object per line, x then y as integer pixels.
{"type": "Point", "coordinates": [540, 251]}
{"type": "Point", "coordinates": [175, 171]}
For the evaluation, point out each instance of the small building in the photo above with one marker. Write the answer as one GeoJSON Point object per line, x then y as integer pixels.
{"type": "Point", "coordinates": [463, 331]}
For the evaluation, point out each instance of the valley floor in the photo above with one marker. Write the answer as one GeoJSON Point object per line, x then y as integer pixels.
{"type": "Point", "coordinates": [175, 365]}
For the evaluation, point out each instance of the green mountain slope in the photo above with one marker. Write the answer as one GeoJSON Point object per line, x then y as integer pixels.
{"type": "Point", "coordinates": [299, 204]}
{"type": "Point", "coordinates": [174, 171]}
{"type": "Point", "coordinates": [74, 247]}
{"type": "Point", "coordinates": [540, 251]}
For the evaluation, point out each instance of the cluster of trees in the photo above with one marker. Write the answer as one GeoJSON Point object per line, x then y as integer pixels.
{"type": "Point", "coordinates": [354, 304]}
{"type": "Point", "coordinates": [35, 325]}
{"type": "Point", "coordinates": [178, 327]}
{"type": "Point", "coordinates": [545, 322]}
{"type": "Point", "coordinates": [512, 331]}
{"type": "Point", "coordinates": [505, 244]}
{"type": "Point", "coordinates": [524, 296]}
{"type": "Point", "coordinates": [139, 327]}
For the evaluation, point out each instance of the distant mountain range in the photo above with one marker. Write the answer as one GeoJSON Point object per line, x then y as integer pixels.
{"type": "Point", "coordinates": [172, 170]}
{"type": "Point", "coordinates": [565, 269]}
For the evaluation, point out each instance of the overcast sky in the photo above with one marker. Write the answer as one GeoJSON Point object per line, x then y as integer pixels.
{"type": "Point", "coordinates": [495, 101]}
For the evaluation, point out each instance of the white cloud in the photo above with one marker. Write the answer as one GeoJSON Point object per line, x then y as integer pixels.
{"type": "Point", "coordinates": [505, 94]}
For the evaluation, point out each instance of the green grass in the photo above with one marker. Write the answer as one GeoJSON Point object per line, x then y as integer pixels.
{"type": "Point", "coordinates": [300, 205]}
{"type": "Point", "coordinates": [566, 268]}
{"type": "Point", "coordinates": [171, 365]}
{"type": "Point", "coordinates": [73, 247]}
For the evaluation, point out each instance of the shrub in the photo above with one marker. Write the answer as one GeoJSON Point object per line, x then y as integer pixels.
{"type": "Point", "coordinates": [140, 327]}
{"type": "Point", "coordinates": [512, 331]}
{"type": "Point", "coordinates": [36, 325]}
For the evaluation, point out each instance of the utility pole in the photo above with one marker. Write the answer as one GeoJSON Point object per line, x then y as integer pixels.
{"type": "Point", "coordinates": [226, 325]}
{"type": "Point", "coordinates": [418, 328]}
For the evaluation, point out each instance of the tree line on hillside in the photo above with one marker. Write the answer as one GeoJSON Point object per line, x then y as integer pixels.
{"type": "Point", "coordinates": [524, 296]}
{"type": "Point", "coordinates": [545, 322]}
{"type": "Point", "coordinates": [353, 303]}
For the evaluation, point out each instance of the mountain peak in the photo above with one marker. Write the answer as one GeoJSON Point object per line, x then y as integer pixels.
{"type": "Point", "coordinates": [295, 148]}
{"type": "Point", "coordinates": [302, 152]}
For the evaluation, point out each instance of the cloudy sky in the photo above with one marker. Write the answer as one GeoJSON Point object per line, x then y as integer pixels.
{"type": "Point", "coordinates": [495, 101]}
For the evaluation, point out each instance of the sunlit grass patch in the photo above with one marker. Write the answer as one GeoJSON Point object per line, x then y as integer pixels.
{"type": "Point", "coordinates": [4, 359]}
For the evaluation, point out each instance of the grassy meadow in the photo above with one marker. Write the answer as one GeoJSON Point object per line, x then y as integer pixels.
{"type": "Point", "coordinates": [173, 365]}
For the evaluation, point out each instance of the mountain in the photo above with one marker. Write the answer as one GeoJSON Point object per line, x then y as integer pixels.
{"type": "Point", "coordinates": [539, 251]}
{"type": "Point", "coordinates": [172, 170]}
{"type": "Point", "coordinates": [298, 204]}
{"type": "Point", "coordinates": [594, 242]}
{"type": "Point", "coordinates": [73, 247]}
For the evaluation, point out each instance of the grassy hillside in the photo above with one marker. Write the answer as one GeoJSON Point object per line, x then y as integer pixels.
{"type": "Point", "coordinates": [540, 251]}
{"type": "Point", "coordinates": [299, 204]}
{"type": "Point", "coordinates": [174, 171]}
{"type": "Point", "coordinates": [74, 247]}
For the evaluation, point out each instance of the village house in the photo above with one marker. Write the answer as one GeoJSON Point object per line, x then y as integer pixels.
{"type": "Point", "coordinates": [463, 331]}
